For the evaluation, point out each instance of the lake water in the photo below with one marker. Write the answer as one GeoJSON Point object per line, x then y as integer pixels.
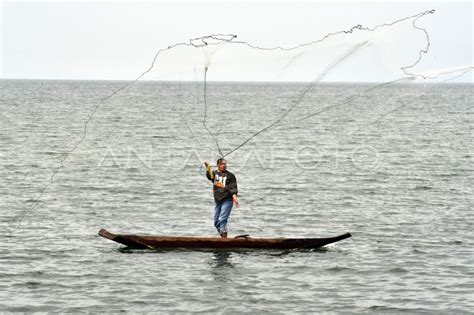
{"type": "Point", "coordinates": [392, 165]}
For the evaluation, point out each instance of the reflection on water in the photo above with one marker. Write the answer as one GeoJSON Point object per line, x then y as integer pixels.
{"type": "Point", "coordinates": [222, 267]}
{"type": "Point", "coordinates": [222, 259]}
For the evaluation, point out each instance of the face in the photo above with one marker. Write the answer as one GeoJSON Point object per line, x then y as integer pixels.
{"type": "Point", "coordinates": [222, 166]}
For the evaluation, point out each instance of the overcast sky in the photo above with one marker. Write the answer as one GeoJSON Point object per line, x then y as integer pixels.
{"type": "Point", "coordinates": [116, 40]}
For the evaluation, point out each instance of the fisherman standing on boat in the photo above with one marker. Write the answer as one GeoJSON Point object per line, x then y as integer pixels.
{"type": "Point", "coordinates": [225, 194]}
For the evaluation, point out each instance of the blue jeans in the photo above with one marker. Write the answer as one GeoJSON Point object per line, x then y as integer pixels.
{"type": "Point", "coordinates": [221, 214]}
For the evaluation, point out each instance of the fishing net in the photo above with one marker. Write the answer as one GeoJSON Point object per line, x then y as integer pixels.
{"type": "Point", "coordinates": [222, 96]}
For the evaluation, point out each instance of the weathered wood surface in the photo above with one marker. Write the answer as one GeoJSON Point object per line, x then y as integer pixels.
{"type": "Point", "coordinates": [168, 242]}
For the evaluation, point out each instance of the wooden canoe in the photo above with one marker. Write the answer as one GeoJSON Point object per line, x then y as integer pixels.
{"type": "Point", "coordinates": [240, 242]}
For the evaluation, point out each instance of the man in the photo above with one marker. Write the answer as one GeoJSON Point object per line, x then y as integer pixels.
{"type": "Point", "coordinates": [225, 194]}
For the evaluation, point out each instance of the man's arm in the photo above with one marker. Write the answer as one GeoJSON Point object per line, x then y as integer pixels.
{"type": "Point", "coordinates": [232, 187]}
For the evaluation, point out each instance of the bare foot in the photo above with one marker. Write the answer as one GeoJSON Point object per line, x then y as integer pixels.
{"type": "Point", "coordinates": [224, 235]}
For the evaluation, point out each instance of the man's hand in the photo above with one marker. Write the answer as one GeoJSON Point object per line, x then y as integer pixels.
{"type": "Point", "coordinates": [236, 201]}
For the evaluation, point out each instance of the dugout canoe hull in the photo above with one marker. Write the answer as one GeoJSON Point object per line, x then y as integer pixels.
{"type": "Point", "coordinates": [171, 242]}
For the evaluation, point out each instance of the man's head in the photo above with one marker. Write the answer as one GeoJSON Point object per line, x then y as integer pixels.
{"type": "Point", "coordinates": [221, 165]}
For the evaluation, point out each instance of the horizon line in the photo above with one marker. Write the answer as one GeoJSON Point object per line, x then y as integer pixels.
{"type": "Point", "coordinates": [231, 81]}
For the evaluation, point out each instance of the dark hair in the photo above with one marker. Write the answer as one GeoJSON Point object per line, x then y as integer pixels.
{"type": "Point", "coordinates": [219, 161]}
